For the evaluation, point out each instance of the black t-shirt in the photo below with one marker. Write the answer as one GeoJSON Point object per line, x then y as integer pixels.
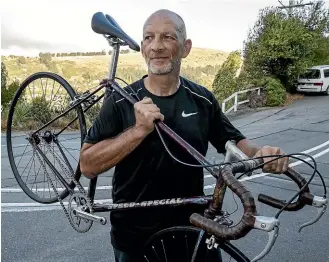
{"type": "Point", "coordinates": [149, 172]}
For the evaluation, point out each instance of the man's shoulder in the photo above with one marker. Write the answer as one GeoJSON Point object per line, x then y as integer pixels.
{"type": "Point", "coordinates": [198, 90]}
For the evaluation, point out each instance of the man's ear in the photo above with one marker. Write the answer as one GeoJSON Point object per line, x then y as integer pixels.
{"type": "Point", "coordinates": [187, 47]}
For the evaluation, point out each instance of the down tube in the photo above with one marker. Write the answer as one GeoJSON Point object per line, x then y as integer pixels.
{"type": "Point", "coordinates": [171, 202]}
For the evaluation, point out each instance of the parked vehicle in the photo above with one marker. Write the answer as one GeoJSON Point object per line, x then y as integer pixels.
{"type": "Point", "coordinates": [315, 79]}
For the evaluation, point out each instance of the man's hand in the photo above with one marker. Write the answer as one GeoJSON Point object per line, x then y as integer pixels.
{"type": "Point", "coordinates": [146, 113]}
{"type": "Point", "coordinates": [278, 166]}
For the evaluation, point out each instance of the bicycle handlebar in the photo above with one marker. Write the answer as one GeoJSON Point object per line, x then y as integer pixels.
{"type": "Point", "coordinates": [305, 198]}
{"type": "Point", "coordinates": [249, 218]}
{"type": "Point", "coordinates": [247, 221]}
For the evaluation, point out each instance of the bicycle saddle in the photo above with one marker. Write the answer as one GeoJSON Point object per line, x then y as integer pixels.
{"type": "Point", "coordinates": [106, 25]}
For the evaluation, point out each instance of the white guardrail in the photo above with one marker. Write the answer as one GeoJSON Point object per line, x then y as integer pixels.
{"type": "Point", "coordinates": [236, 100]}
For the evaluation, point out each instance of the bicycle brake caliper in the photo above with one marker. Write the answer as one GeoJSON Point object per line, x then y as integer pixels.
{"type": "Point", "coordinates": [321, 204]}
{"type": "Point", "coordinates": [270, 225]}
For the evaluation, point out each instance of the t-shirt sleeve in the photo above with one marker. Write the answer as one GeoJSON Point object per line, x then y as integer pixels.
{"type": "Point", "coordinates": [221, 129]}
{"type": "Point", "coordinates": [107, 124]}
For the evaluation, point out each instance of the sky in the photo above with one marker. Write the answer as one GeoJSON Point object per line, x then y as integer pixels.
{"type": "Point", "coordinates": [32, 26]}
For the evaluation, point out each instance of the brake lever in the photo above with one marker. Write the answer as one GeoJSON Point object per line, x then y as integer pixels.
{"type": "Point", "coordinates": [321, 204]}
{"type": "Point", "coordinates": [271, 226]}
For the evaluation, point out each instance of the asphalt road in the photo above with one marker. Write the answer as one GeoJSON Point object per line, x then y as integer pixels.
{"type": "Point", "coordinates": [36, 232]}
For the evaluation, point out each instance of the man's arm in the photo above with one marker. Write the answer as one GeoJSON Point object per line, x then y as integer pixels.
{"type": "Point", "coordinates": [100, 157]}
{"type": "Point", "coordinates": [105, 154]}
{"type": "Point", "coordinates": [247, 147]}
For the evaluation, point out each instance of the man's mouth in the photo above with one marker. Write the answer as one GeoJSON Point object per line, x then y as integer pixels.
{"type": "Point", "coordinates": [159, 58]}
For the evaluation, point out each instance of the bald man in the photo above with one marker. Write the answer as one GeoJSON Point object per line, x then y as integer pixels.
{"type": "Point", "coordinates": [123, 136]}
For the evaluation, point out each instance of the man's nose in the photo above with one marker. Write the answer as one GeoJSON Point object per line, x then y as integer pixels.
{"type": "Point", "coordinates": [157, 44]}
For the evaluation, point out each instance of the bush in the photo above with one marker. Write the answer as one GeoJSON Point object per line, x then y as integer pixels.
{"type": "Point", "coordinates": [40, 110]}
{"type": "Point", "coordinates": [225, 82]}
{"type": "Point", "coordinates": [275, 92]}
{"type": "Point", "coordinates": [21, 60]}
{"type": "Point", "coordinates": [8, 93]}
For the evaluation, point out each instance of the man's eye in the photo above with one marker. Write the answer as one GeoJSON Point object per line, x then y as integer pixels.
{"type": "Point", "coordinates": [147, 37]}
{"type": "Point", "coordinates": [169, 37]}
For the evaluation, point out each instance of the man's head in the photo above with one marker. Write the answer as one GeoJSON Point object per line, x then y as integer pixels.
{"type": "Point", "coordinates": [164, 42]}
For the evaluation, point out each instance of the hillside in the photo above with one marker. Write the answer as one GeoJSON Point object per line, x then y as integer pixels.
{"type": "Point", "coordinates": [85, 71]}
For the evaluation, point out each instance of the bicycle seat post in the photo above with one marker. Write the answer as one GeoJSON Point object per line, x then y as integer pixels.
{"type": "Point", "coordinates": [115, 43]}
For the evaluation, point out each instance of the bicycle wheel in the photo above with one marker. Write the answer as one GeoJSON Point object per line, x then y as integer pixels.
{"type": "Point", "coordinates": [33, 106]}
{"type": "Point", "coordinates": [177, 244]}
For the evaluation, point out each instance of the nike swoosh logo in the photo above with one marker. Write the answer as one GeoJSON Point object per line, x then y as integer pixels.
{"type": "Point", "coordinates": [186, 115]}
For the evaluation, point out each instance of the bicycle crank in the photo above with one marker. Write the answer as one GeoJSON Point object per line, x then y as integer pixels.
{"type": "Point", "coordinates": [80, 212]}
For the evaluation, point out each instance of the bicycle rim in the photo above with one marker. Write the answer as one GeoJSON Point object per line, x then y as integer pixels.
{"type": "Point", "coordinates": [33, 106]}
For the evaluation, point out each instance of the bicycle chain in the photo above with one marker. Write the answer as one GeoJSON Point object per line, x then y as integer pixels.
{"type": "Point", "coordinates": [77, 183]}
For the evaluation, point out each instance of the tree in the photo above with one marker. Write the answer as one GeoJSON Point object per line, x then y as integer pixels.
{"type": "Point", "coordinates": [21, 60]}
{"type": "Point", "coordinates": [225, 83]}
{"type": "Point", "coordinates": [45, 58]}
{"type": "Point", "coordinates": [7, 91]}
{"type": "Point", "coordinates": [283, 46]}
{"type": "Point", "coordinates": [4, 76]}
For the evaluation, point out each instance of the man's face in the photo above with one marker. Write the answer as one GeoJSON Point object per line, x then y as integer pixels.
{"type": "Point", "coordinates": [161, 46]}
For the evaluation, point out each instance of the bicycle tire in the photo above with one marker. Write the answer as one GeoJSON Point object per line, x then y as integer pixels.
{"type": "Point", "coordinates": [203, 254]}
{"type": "Point", "coordinates": [82, 126]}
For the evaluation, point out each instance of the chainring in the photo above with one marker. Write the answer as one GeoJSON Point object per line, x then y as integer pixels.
{"type": "Point", "coordinates": [78, 200]}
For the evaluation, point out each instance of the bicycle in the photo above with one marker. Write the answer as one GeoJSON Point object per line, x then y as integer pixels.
{"type": "Point", "coordinates": [211, 231]}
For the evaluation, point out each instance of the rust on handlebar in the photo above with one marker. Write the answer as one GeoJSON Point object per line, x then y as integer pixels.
{"type": "Point", "coordinates": [217, 200]}
{"type": "Point", "coordinates": [248, 219]}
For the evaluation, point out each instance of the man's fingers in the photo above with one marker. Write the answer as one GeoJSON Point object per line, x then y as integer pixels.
{"type": "Point", "coordinates": [273, 164]}
{"type": "Point", "coordinates": [146, 100]}
{"type": "Point", "coordinates": [158, 116]}
{"type": "Point", "coordinates": [152, 108]}
{"type": "Point", "coordinates": [279, 168]}
{"type": "Point", "coordinates": [285, 164]}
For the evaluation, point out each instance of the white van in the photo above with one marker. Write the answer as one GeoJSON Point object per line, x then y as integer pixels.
{"type": "Point", "coordinates": [315, 79]}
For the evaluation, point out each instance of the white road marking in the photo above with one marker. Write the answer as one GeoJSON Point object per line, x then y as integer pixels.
{"type": "Point", "coordinates": [29, 207]}
{"type": "Point", "coordinates": [18, 145]}
{"type": "Point", "coordinates": [19, 190]}
{"type": "Point", "coordinates": [299, 162]}
{"type": "Point", "coordinates": [291, 165]}
{"type": "Point", "coordinates": [316, 147]}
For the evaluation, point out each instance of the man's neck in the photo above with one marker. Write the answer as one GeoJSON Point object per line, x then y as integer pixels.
{"type": "Point", "coordinates": [162, 85]}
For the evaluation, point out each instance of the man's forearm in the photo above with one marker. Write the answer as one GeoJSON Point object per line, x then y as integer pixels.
{"type": "Point", "coordinates": [247, 147]}
{"type": "Point", "coordinates": [106, 154]}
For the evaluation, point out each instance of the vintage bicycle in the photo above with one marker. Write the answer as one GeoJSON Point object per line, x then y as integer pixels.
{"type": "Point", "coordinates": [49, 143]}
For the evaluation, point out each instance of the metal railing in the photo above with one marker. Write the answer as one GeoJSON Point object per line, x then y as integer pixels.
{"type": "Point", "coordinates": [236, 99]}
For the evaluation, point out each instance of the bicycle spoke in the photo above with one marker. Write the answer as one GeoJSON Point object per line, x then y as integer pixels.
{"type": "Point", "coordinates": [187, 253]}
{"type": "Point", "coordinates": [164, 251]}
{"type": "Point", "coordinates": [51, 95]}
{"type": "Point", "coordinates": [156, 254]}
{"type": "Point", "coordinates": [27, 163]}
{"type": "Point", "coordinates": [42, 88]}
{"type": "Point", "coordinates": [146, 259]}
{"type": "Point", "coordinates": [29, 172]}
{"type": "Point", "coordinates": [22, 156]}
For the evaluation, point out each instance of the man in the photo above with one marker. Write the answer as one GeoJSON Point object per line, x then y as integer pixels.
{"type": "Point", "coordinates": [123, 136]}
